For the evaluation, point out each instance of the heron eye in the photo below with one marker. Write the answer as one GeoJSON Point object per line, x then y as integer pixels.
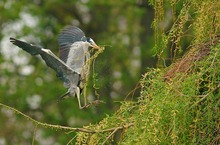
{"type": "Point", "coordinates": [91, 41]}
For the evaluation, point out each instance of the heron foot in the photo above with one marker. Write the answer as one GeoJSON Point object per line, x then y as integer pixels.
{"type": "Point", "coordinates": [96, 102]}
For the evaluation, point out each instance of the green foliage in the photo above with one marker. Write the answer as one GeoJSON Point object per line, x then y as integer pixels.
{"type": "Point", "coordinates": [184, 110]}
{"type": "Point", "coordinates": [180, 104]}
{"type": "Point", "coordinates": [191, 21]}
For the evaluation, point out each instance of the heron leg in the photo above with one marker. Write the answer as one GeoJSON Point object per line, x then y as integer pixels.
{"type": "Point", "coordinates": [85, 103]}
{"type": "Point", "coordinates": [78, 97]}
{"type": "Point", "coordinates": [63, 96]}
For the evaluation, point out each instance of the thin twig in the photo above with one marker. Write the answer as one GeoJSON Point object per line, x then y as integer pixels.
{"type": "Point", "coordinates": [35, 130]}
{"type": "Point", "coordinates": [108, 130]}
{"type": "Point", "coordinates": [137, 86]}
{"type": "Point", "coordinates": [107, 138]}
{"type": "Point", "coordinates": [203, 98]}
{"type": "Point", "coordinates": [96, 102]}
{"type": "Point", "coordinates": [112, 129]}
{"type": "Point", "coordinates": [69, 142]}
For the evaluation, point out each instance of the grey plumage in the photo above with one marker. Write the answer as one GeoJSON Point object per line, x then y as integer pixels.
{"type": "Point", "coordinates": [66, 38]}
{"type": "Point", "coordinates": [72, 66]}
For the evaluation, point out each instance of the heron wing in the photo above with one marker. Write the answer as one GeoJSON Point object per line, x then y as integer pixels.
{"type": "Point", "coordinates": [66, 38]}
{"type": "Point", "coordinates": [49, 57]}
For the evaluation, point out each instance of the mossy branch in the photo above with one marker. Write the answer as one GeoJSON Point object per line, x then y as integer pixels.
{"type": "Point", "coordinates": [72, 129]}
{"type": "Point", "coordinates": [46, 124]}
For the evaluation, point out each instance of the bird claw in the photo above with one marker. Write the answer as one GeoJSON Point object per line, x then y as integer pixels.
{"type": "Point", "coordinates": [96, 102]}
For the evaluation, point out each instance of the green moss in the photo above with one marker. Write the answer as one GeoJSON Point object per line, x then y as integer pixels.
{"type": "Point", "coordinates": [174, 112]}
{"type": "Point", "coordinates": [185, 111]}
{"type": "Point", "coordinates": [179, 104]}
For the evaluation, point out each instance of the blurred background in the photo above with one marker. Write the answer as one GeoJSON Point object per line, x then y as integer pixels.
{"type": "Point", "coordinates": [27, 84]}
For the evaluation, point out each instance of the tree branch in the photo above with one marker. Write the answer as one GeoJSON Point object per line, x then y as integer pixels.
{"type": "Point", "coordinates": [65, 127]}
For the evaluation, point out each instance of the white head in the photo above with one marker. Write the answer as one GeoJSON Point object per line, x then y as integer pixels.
{"type": "Point", "coordinates": [91, 42]}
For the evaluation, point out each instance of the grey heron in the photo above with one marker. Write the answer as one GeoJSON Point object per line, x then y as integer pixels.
{"type": "Point", "coordinates": [72, 66]}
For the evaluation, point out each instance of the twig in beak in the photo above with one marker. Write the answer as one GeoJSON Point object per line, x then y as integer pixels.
{"type": "Point", "coordinates": [93, 45]}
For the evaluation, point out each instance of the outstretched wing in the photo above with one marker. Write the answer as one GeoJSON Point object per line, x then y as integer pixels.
{"type": "Point", "coordinates": [66, 38]}
{"type": "Point", "coordinates": [49, 57]}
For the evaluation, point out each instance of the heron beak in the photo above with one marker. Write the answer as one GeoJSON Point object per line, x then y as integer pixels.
{"type": "Point", "coordinates": [93, 45]}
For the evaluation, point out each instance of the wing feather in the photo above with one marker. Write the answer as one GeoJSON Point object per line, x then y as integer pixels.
{"type": "Point", "coordinates": [49, 57]}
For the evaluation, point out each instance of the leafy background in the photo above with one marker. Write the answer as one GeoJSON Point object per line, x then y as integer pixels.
{"type": "Point", "coordinates": [137, 35]}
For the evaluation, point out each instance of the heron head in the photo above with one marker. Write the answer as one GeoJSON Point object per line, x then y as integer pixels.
{"type": "Point", "coordinates": [91, 42]}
